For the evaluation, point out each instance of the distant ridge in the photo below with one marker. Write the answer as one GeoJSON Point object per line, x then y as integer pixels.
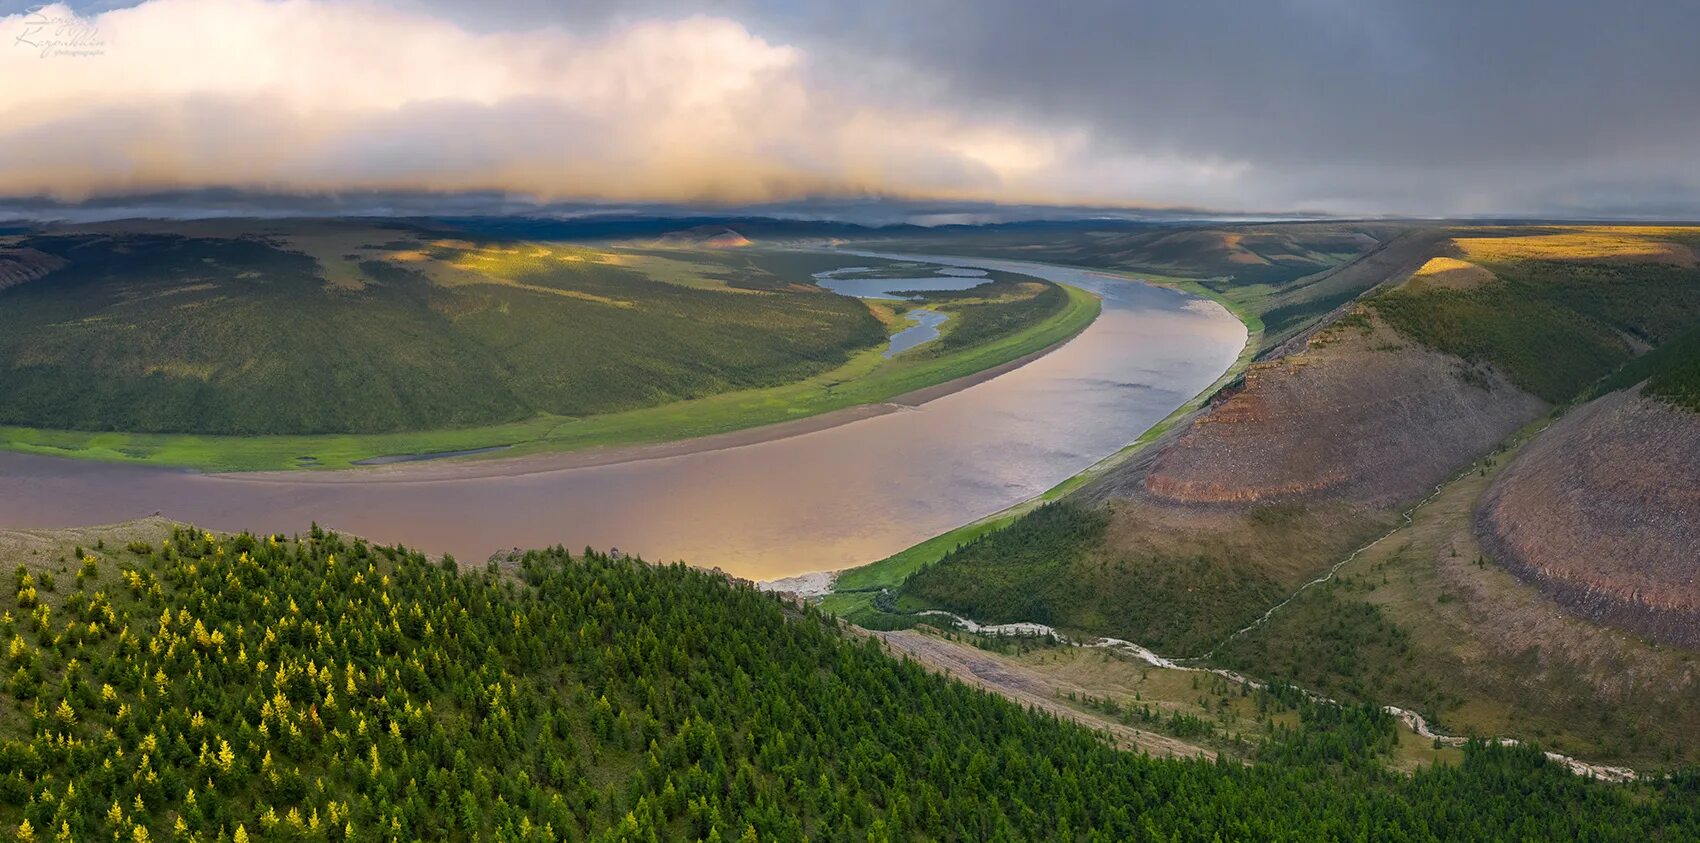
{"type": "Point", "coordinates": [705, 237]}
{"type": "Point", "coordinates": [20, 265]}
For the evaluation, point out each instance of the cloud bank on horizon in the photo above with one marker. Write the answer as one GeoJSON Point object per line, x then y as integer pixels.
{"type": "Point", "coordinates": [1367, 106]}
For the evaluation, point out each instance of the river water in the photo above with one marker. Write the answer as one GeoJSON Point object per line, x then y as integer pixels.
{"type": "Point", "coordinates": [925, 329]}
{"type": "Point", "coordinates": [819, 501]}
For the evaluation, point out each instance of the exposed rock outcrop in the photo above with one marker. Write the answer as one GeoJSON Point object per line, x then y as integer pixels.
{"type": "Point", "coordinates": [1602, 513]}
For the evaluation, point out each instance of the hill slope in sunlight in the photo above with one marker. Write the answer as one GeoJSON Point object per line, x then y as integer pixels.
{"type": "Point", "coordinates": [328, 327]}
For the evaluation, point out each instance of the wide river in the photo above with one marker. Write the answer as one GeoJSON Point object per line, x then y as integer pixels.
{"type": "Point", "coordinates": [823, 500]}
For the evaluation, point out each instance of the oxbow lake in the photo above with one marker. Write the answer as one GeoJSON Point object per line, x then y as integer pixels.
{"type": "Point", "coordinates": [824, 500]}
{"type": "Point", "coordinates": [928, 322]}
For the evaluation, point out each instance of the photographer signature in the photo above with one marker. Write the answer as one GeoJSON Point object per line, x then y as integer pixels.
{"type": "Point", "coordinates": [52, 34]}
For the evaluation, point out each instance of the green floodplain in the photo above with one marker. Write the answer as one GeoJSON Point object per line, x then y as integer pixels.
{"type": "Point", "coordinates": [327, 346]}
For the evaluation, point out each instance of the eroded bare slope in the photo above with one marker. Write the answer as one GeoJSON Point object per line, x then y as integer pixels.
{"type": "Point", "coordinates": [1314, 455]}
{"type": "Point", "coordinates": [1362, 415]}
{"type": "Point", "coordinates": [1602, 512]}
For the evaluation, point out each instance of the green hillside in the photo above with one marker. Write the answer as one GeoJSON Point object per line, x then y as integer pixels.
{"type": "Point", "coordinates": [156, 333]}
{"type": "Point", "coordinates": [1228, 255]}
{"type": "Point", "coordinates": [1057, 566]}
{"type": "Point", "coordinates": [1021, 573]}
{"type": "Point", "coordinates": [1553, 327]}
{"type": "Point", "coordinates": [1278, 278]}
{"type": "Point", "coordinates": [242, 688]}
{"type": "Point", "coordinates": [1672, 372]}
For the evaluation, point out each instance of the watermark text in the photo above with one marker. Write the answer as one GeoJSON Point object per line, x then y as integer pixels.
{"type": "Point", "coordinates": [55, 33]}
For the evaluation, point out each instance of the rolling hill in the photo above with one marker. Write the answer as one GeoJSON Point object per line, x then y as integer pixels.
{"type": "Point", "coordinates": [349, 329]}
{"type": "Point", "coordinates": [1602, 512]}
{"type": "Point", "coordinates": [1280, 277]}
{"type": "Point", "coordinates": [173, 684]}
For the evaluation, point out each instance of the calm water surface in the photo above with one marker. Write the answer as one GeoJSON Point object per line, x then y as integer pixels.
{"type": "Point", "coordinates": [925, 329]}
{"type": "Point", "coordinates": [823, 500]}
{"type": "Point", "coordinates": [888, 288]}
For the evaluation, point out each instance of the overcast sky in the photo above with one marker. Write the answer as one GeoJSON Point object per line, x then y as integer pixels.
{"type": "Point", "coordinates": [1549, 107]}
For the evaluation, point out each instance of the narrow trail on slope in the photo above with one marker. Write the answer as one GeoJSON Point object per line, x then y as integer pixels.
{"type": "Point", "coordinates": [1023, 685]}
{"type": "Point", "coordinates": [1412, 720]}
{"type": "Point", "coordinates": [1406, 520]}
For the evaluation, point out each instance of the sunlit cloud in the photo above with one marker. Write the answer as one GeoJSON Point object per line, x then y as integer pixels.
{"type": "Point", "coordinates": [317, 96]}
{"type": "Point", "coordinates": [1368, 106]}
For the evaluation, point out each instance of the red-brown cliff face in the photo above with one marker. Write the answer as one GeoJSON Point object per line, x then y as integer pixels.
{"type": "Point", "coordinates": [1602, 512]}
{"type": "Point", "coordinates": [1360, 415]}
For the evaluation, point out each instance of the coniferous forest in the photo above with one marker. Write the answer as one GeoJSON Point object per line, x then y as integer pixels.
{"type": "Point", "coordinates": [248, 688]}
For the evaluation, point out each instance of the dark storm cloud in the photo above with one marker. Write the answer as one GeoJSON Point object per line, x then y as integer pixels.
{"type": "Point", "coordinates": [1405, 106]}
{"type": "Point", "coordinates": [1425, 107]}
{"type": "Point", "coordinates": [1354, 106]}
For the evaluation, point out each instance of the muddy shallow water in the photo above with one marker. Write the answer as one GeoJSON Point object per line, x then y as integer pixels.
{"type": "Point", "coordinates": [822, 500]}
